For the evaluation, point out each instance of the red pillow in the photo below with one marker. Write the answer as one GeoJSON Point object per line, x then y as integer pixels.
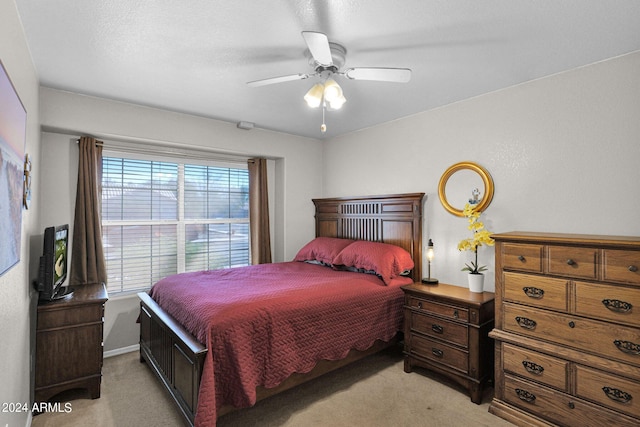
{"type": "Point", "coordinates": [388, 261]}
{"type": "Point", "coordinates": [322, 249]}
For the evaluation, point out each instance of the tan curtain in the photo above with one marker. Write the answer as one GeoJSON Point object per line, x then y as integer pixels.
{"type": "Point", "coordinates": [87, 257]}
{"type": "Point", "coordinates": [259, 212]}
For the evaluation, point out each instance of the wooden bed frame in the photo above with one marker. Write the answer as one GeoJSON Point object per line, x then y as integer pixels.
{"type": "Point", "coordinates": [176, 357]}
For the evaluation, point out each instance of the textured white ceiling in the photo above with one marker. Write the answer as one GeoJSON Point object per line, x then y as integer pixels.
{"type": "Point", "coordinates": [196, 56]}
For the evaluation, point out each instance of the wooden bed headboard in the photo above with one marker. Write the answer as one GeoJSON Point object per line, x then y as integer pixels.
{"type": "Point", "coordinates": [394, 219]}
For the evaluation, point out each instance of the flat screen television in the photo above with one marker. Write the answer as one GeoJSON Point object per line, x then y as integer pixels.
{"type": "Point", "coordinates": [52, 271]}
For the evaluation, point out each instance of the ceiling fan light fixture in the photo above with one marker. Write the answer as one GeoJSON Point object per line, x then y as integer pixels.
{"type": "Point", "coordinates": [337, 103]}
{"type": "Point", "coordinates": [332, 91]}
{"type": "Point", "coordinates": [313, 97]}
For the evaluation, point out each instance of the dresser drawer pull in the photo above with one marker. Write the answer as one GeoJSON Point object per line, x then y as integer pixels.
{"type": "Point", "coordinates": [455, 314]}
{"type": "Point", "coordinates": [571, 262]}
{"type": "Point", "coordinates": [617, 394]}
{"type": "Point", "coordinates": [420, 305]}
{"type": "Point", "coordinates": [532, 368]}
{"type": "Point", "coordinates": [525, 395]}
{"type": "Point", "coordinates": [627, 347]}
{"type": "Point", "coordinates": [571, 405]}
{"type": "Point", "coordinates": [437, 352]}
{"type": "Point", "coordinates": [633, 268]}
{"type": "Point", "coordinates": [521, 258]}
{"type": "Point", "coordinates": [572, 324]}
{"type": "Point", "coordinates": [532, 292]}
{"type": "Point", "coordinates": [437, 329]}
{"type": "Point", "coordinates": [526, 323]}
{"type": "Point", "coordinates": [617, 306]}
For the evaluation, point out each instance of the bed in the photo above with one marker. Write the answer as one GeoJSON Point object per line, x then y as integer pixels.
{"type": "Point", "coordinates": [205, 384]}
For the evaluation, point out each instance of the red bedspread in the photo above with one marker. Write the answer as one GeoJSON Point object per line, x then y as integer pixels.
{"type": "Point", "coordinates": [264, 322]}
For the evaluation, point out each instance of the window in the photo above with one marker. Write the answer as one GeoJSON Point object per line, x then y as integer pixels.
{"type": "Point", "coordinates": [161, 218]}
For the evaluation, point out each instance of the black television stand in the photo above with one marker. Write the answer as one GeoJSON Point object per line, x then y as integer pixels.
{"type": "Point", "coordinates": [64, 292]}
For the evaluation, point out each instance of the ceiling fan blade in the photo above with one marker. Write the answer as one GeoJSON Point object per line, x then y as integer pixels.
{"type": "Point", "coordinates": [281, 79]}
{"type": "Point", "coordinates": [397, 75]}
{"type": "Point", "coordinates": [318, 45]}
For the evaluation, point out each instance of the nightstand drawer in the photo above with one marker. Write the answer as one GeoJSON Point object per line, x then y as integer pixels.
{"type": "Point", "coordinates": [573, 262]}
{"type": "Point", "coordinates": [445, 310]}
{"type": "Point", "coordinates": [522, 257]}
{"type": "Point", "coordinates": [622, 266]}
{"type": "Point", "coordinates": [609, 390]}
{"type": "Point", "coordinates": [536, 366]}
{"type": "Point", "coordinates": [617, 303]}
{"type": "Point", "coordinates": [439, 328]}
{"type": "Point", "coordinates": [439, 352]}
{"type": "Point", "coordinates": [539, 291]}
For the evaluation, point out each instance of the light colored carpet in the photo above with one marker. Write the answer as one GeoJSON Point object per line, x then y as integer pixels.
{"type": "Point", "coordinates": [375, 392]}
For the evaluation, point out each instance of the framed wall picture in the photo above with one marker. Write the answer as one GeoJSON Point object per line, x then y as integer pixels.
{"type": "Point", "coordinates": [13, 127]}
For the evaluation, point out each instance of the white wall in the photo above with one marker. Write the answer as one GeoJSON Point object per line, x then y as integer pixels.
{"type": "Point", "coordinates": [65, 116]}
{"type": "Point", "coordinates": [563, 152]}
{"type": "Point", "coordinates": [16, 297]}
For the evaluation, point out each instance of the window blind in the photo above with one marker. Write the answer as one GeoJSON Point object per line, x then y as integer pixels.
{"type": "Point", "coordinates": [161, 218]}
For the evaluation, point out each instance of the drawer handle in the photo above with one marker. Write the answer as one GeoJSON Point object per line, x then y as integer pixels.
{"type": "Point", "coordinates": [617, 394]}
{"type": "Point", "coordinates": [525, 395]}
{"type": "Point", "coordinates": [617, 306]}
{"type": "Point", "coordinates": [532, 368]}
{"type": "Point", "coordinates": [627, 347]}
{"type": "Point", "coordinates": [437, 352]}
{"type": "Point", "coordinates": [521, 258]}
{"type": "Point", "coordinates": [419, 305]}
{"type": "Point", "coordinates": [532, 292]}
{"type": "Point", "coordinates": [571, 262]}
{"type": "Point", "coordinates": [437, 329]}
{"type": "Point", "coordinates": [455, 314]}
{"type": "Point", "coordinates": [572, 324]}
{"type": "Point", "coordinates": [526, 323]}
{"type": "Point", "coordinates": [632, 268]}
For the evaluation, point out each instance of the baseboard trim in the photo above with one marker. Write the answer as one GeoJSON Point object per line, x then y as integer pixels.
{"type": "Point", "coordinates": [123, 350]}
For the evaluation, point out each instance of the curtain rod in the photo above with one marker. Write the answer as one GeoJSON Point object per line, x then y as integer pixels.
{"type": "Point", "coordinates": [177, 151]}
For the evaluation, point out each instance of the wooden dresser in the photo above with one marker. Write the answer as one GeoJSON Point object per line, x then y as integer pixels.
{"type": "Point", "coordinates": [69, 343]}
{"type": "Point", "coordinates": [567, 333]}
{"type": "Point", "coordinates": [446, 331]}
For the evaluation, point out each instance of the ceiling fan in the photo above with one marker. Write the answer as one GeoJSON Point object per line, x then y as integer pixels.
{"type": "Point", "coordinates": [327, 59]}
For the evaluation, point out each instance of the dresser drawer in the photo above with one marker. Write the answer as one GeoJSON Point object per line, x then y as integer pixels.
{"type": "Point", "coordinates": [445, 310]}
{"type": "Point", "coordinates": [522, 257]}
{"type": "Point", "coordinates": [593, 336]}
{"type": "Point", "coordinates": [572, 261]}
{"type": "Point", "coordinates": [617, 303]}
{"type": "Point", "coordinates": [435, 327]}
{"type": "Point", "coordinates": [439, 352]}
{"type": "Point", "coordinates": [559, 407]}
{"type": "Point", "coordinates": [538, 291]}
{"type": "Point", "coordinates": [536, 366]}
{"type": "Point", "coordinates": [622, 266]}
{"type": "Point", "coordinates": [609, 390]}
{"type": "Point", "coordinates": [69, 316]}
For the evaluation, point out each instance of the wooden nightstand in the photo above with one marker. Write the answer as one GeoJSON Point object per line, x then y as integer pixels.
{"type": "Point", "coordinates": [446, 330]}
{"type": "Point", "coordinates": [69, 343]}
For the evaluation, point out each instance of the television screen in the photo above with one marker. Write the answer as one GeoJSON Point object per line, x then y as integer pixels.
{"type": "Point", "coordinates": [60, 265]}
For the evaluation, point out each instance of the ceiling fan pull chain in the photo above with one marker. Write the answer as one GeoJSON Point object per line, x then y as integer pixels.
{"type": "Point", "coordinates": [323, 127]}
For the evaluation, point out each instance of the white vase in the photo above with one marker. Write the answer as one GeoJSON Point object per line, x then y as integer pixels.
{"type": "Point", "coordinates": [476, 282]}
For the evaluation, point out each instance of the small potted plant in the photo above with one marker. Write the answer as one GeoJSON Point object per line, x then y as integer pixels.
{"type": "Point", "coordinates": [481, 236]}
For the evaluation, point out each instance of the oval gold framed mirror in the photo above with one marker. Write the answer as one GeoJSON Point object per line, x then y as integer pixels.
{"type": "Point", "coordinates": [462, 183]}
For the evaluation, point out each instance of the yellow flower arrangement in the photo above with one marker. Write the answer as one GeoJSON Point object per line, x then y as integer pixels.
{"type": "Point", "coordinates": [480, 237]}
